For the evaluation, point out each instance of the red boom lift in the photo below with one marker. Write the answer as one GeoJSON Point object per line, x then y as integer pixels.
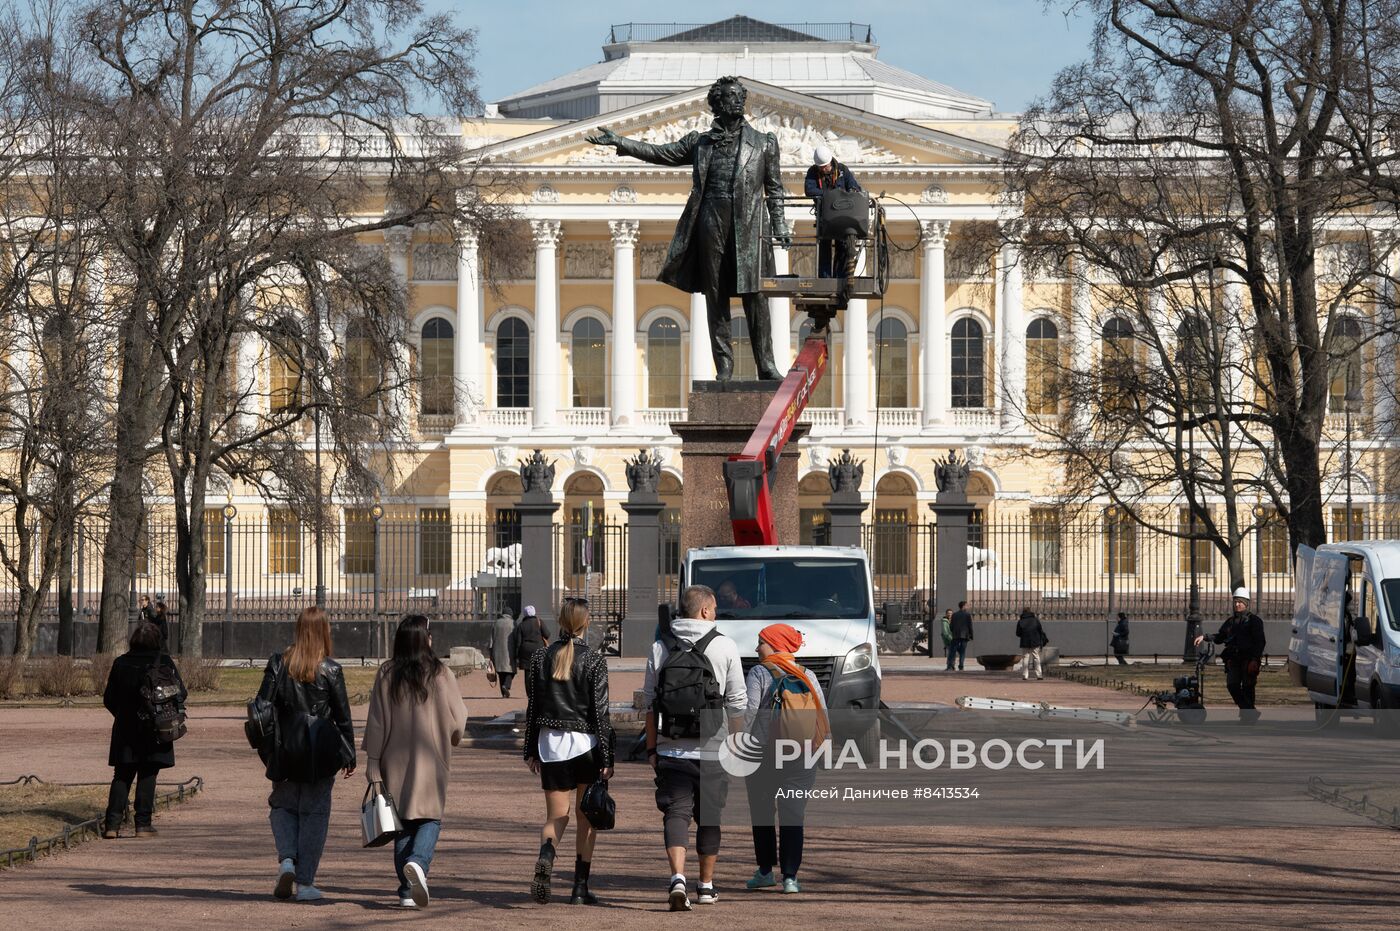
{"type": "Point", "coordinates": [750, 474]}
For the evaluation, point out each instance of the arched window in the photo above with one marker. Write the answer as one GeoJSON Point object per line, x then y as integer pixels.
{"type": "Point", "coordinates": [1344, 375]}
{"type": "Point", "coordinates": [588, 355]}
{"type": "Point", "coordinates": [892, 363]}
{"type": "Point", "coordinates": [744, 367]}
{"type": "Point", "coordinates": [435, 362]}
{"type": "Point", "coordinates": [969, 364]}
{"type": "Point", "coordinates": [363, 375]}
{"type": "Point", "coordinates": [513, 363]}
{"type": "Point", "coordinates": [1042, 367]}
{"type": "Point", "coordinates": [1117, 364]}
{"type": "Point", "coordinates": [664, 363]}
{"type": "Point", "coordinates": [1194, 362]}
{"type": "Point", "coordinates": [822, 394]}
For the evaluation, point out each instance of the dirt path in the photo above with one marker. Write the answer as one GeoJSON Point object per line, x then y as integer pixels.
{"type": "Point", "coordinates": [213, 863]}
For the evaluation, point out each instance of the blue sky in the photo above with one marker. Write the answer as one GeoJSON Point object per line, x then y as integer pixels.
{"type": "Point", "coordinates": [1003, 50]}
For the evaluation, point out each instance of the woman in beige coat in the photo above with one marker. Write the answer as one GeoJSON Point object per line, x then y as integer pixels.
{"type": "Point", "coordinates": [416, 717]}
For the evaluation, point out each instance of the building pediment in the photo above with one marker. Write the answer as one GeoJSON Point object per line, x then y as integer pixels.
{"type": "Point", "coordinates": [800, 123]}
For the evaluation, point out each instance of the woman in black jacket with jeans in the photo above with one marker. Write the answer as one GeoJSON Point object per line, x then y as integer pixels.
{"type": "Point", "coordinates": [315, 737]}
{"type": "Point", "coordinates": [136, 754]}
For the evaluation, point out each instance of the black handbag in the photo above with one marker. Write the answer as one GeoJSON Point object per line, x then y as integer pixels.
{"type": "Point", "coordinates": [261, 727]}
{"type": "Point", "coordinates": [598, 806]}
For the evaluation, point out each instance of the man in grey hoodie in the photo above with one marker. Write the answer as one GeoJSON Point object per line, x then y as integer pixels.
{"type": "Point", "coordinates": [690, 785]}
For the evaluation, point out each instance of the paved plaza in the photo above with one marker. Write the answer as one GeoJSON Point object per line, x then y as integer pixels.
{"type": "Point", "coordinates": [212, 864]}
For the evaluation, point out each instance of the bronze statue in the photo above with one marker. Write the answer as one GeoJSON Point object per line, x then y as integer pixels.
{"type": "Point", "coordinates": [717, 249]}
{"type": "Point", "coordinates": [537, 473]}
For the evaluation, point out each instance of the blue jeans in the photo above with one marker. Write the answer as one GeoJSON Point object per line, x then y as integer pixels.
{"type": "Point", "coordinates": [415, 845]}
{"type": "Point", "coordinates": [300, 814]}
{"type": "Point", "coordinates": [958, 648]}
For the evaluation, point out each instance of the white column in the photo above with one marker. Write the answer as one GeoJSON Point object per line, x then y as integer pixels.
{"type": "Point", "coordinates": [544, 356]}
{"type": "Point", "coordinates": [857, 361]}
{"type": "Point", "coordinates": [252, 352]}
{"type": "Point", "coordinates": [1012, 324]}
{"type": "Point", "coordinates": [624, 322]}
{"type": "Point", "coordinates": [934, 395]}
{"type": "Point", "coordinates": [468, 359]}
{"type": "Point", "coordinates": [1383, 401]}
{"type": "Point", "coordinates": [1234, 337]}
{"type": "Point", "coordinates": [780, 315]}
{"type": "Point", "coordinates": [1081, 336]}
{"type": "Point", "coordinates": [702, 362]}
{"type": "Point", "coordinates": [400, 407]}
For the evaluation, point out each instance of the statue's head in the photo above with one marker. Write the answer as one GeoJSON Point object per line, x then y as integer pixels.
{"type": "Point", "coordinates": [727, 96]}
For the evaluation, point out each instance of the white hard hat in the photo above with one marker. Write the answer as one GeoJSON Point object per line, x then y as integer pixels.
{"type": "Point", "coordinates": [1242, 593]}
{"type": "Point", "coordinates": [821, 155]}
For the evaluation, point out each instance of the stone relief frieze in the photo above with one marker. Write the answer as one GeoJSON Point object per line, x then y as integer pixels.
{"type": "Point", "coordinates": [796, 139]}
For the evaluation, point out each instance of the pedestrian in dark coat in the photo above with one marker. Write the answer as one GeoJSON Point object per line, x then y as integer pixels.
{"type": "Point", "coordinates": [527, 637]}
{"type": "Point", "coordinates": [501, 660]}
{"type": "Point", "coordinates": [1119, 641]}
{"type": "Point", "coordinates": [135, 753]}
{"type": "Point", "coordinates": [960, 626]}
{"type": "Point", "coordinates": [1242, 635]}
{"type": "Point", "coordinates": [1032, 637]}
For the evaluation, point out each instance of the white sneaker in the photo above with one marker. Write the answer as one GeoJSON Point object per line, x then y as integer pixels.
{"type": "Point", "coordinates": [707, 895]}
{"type": "Point", "coordinates": [680, 902]}
{"type": "Point", "coordinates": [309, 894]}
{"type": "Point", "coordinates": [407, 903]}
{"type": "Point", "coordinates": [417, 883]}
{"type": "Point", "coordinates": [286, 880]}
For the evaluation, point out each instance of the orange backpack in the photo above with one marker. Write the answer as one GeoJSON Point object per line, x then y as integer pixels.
{"type": "Point", "coordinates": [797, 713]}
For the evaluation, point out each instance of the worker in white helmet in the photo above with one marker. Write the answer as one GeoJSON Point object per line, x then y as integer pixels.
{"type": "Point", "coordinates": [828, 174]}
{"type": "Point", "coordinates": [1243, 637]}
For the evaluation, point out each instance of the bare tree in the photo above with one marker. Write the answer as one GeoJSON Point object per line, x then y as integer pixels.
{"type": "Point", "coordinates": [1206, 142]}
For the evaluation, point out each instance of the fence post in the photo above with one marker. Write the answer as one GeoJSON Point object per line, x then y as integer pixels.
{"type": "Point", "coordinates": [375, 514]}
{"type": "Point", "coordinates": [226, 633]}
{"type": "Point", "coordinates": [951, 510]}
{"type": "Point", "coordinates": [845, 505]}
{"type": "Point", "coordinates": [643, 507]}
{"type": "Point", "coordinates": [536, 509]}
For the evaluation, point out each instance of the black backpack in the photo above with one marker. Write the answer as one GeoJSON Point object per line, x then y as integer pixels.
{"type": "Point", "coordinates": [160, 711]}
{"type": "Point", "coordinates": [843, 213]}
{"type": "Point", "coordinates": [688, 702]}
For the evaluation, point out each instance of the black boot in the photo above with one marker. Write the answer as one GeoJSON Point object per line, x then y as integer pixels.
{"type": "Point", "coordinates": [544, 866]}
{"type": "Point", "coordinates": [581, 895]}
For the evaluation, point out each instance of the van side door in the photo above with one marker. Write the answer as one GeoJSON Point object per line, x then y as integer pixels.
{"type": "Point", "coordinates": [1324, 636]}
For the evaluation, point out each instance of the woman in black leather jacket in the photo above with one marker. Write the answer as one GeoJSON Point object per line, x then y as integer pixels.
{"type": "Point", "coordinates": [315, 737]}
{"type": "Point", "coordinates": [568, 741]}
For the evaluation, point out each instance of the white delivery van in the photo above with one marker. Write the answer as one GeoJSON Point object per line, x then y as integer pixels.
{"type": "Point", "coordinates": [1346, 652]}
{"type": "Point", "coordinates": [823, 591]}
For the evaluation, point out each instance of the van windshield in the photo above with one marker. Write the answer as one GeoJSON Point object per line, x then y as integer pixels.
{"type": "Point", "coordinates": [783, 588]}
{"type": "Point", "coordinates": [1391, 588]}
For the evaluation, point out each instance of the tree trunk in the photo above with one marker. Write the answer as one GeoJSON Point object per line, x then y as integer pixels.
{"type": "Point", "coordinates": [27, 621]}
{"type": "Point", "coordinates": [125, 516]}
{"type": "Point", "coordinates": [65, 591]}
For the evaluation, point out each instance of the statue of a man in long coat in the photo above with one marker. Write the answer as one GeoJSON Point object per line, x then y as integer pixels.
{"type": "Point", "coordinates": [717, 249]}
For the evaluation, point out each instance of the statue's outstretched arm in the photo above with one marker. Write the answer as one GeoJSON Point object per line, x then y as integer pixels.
{"type": "Point", "coordinates": [673, 153]}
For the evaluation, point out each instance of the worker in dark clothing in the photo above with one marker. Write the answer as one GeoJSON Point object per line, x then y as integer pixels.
{"type": "Point", "coordinates": [1242, 635]}
{"type": "Point", "coordinates": [835, 258]}
{"type": "Point", "coordinates": [960, 624]}
{"type": "Point", "coordinates": [1119, 640]}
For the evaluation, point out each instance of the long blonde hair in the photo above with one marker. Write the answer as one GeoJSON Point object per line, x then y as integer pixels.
{"type": "Point", "coordinates": [573, 621]}
{"type": "Point", "coordinates": [310, 645]}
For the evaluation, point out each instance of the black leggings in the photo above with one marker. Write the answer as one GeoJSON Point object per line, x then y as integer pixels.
{"type": "Point", "coordinates": [144, 775]}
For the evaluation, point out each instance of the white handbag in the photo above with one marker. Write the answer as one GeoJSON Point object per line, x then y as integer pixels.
{"type": "Point", "coordinates": [378, 816]}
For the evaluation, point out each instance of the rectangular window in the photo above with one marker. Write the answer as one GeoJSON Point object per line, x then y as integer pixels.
{"type": "Point", "coordinates": [1204, 549]}
{"type": "Point", "coordinates": [664, 364]}
{"type": "Point", "coordinates": [1119, 543]}
{"type": "Point", "coordinates": [434, 541]}
{"type": "Point", "coordinates": [284, 388]}
{"type": "Point", "coordinates": [213, 541]}
{"type": "Point", "coordinates": [1045, 541]}
{"type": "Point", "coordinates": [671, 541]}
{"type": "Point", "coordinates": [892, 541]}
{"type": "Point", "coordinates": [814, 527]}
{"type": "Point", "coordinates": [359, 542]}
{"type": "Point", "coordinates": [436, 358]}
{"type": "Point", "coordinates": [283, 542]}
{"type": "Point", "coordinates": [1355, 530]}
{"type": "Point", "coordinates": [1273, 546]}
{"type": "Point", "coordinates": [142, 559]}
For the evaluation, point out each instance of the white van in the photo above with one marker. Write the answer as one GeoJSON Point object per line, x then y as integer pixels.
{"type": "Point", "coordinates": [1347, 653]}
{"type": "Point", "coordinates": [823, 591]}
